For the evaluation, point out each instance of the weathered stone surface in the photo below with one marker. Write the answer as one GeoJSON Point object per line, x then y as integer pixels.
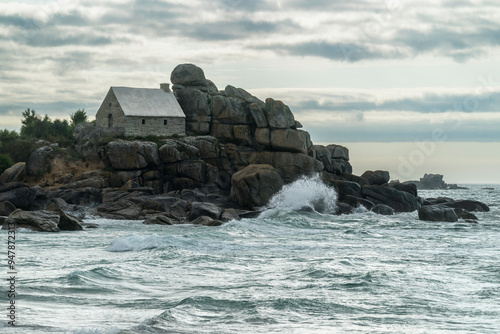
{"type": "Point", "coordinates": [222, 131]}
{"type": "Point", "coordinates": [263, 137]}
{"type": "Point", "coordinates": [242, 134]}
{"type": "Point", "coordinates": [229, 110]}
{"type": "Point", "coordinates": [208, 146]}
{"type": "Point", "coordinates": [278, 115]}
{"type": "Point", "coordinates": [288, 140]}
{"type": "Point", "coordinates": [338, 152]}
{"type": "Point", "coordinates": [255, 185]}
{"type": "Point", "coordinates": [19, 195]}
{"type": "Point", "coordinates": [90, 132]}
{"type": "Point", "coordinates": [357, 201]}
{"type": "Point", "coordinates": [198, 209]}
{"type": "Point", "coordinates": [292, 165]}
{"type": "Point", "coordinates": [188, 75]}
{"type": "Point", "coordinates": [195, 170]}
{"type": "Point", "coordinates": [12, 173]}
{"type": "Point", "coordinates": [230, 214]}
{"type": "Point", "coordinates": [126, 155]}
{"type": "Point", "coordinates": [174, 151]}
{"type": "Point", "coordinates": [258, 115]}
{"type": "Point", "coordinates": [81, 196]}
{"type": "Point", "coordinates": [345, 188]}
{"type": "Point", "coordinates": [39, 163]}
{"type": "Point", "coordinates": [438, 213]}
{"type": "Point", "coordinates": [377, 177]}
{"type": "Point", "coordinates": [469, 205]}
{"type": "Point", "coordinates": [382, 209]}
{"type": "Point", "coordinates": [464, 214]}
{"type": "Point", "coordinates": [408, 187]}
{"type": "Point", "coordinates": [400, 201]}
{"type": "Point", "coordinates": [6, 208]}
{"type": "Point", "coordinates": [41, 221]}
{"type": "Point", "coordinates": [67, 222]}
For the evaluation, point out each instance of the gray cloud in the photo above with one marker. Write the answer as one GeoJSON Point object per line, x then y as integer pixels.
{"type": "Point", "coordinates": [429, 103]}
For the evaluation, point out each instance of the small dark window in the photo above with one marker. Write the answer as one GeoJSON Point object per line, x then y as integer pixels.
{"type": "Point", "coordinates": [164, 122]}
{"type": "Point", "coordinates": [143, 121]}
{"type": "Point", "coordinates": [110, 104]}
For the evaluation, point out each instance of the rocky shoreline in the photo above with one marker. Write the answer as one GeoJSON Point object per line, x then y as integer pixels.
{"type": "Point", "coordinates": [239, 151]}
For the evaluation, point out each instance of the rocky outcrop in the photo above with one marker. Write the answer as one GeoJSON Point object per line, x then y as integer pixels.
{"type": "Point", "coordinates": [438, 213]}
{"type": "Point", "coordinates": [12, 173]}
{"type": "Point", "coordinates": [376, 178]}
{"type": "Point", "coordinates": [39, 163]}
{"type": "Point", "coordinates": [127, 155]}
{"type": "Point", "coordinates": [255, 185]}
{"type": "Point", "coordinates": [40, 221]}
{"type": "Point", "coordinates": [188, 75]}
{"type": "Point", "coordinates": [382, 209]}
{"type": "Point", "coordinates": [399, 201]}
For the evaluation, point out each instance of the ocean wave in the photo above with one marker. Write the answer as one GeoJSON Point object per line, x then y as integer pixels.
{"type": "Point", "coordinates": [305, 194]}
{"type": "Point", "coordinates": [135, 243]}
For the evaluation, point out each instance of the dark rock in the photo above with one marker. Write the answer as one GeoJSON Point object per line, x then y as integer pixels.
{"type": "Point", "coordinates": [126, 155]}
{"type": "Point", "coordinates": [160, 220]}
{"type": "Point", "coordinates": [12, 173]}
{"type": "Point", "coordinates": [6, 208]}
{"type": "Point", "coordinates": [469, 205]}
{"type": "Point", "coordinates": [41, 221]}
{"type": "Point", "coordinates": [344, 209]}
{"type": "Point", "coordinates": [456, 187]}
{"type": "Point", "coordinates": [188, 75]}
{"type": "Point", "coordinates": [197, 209]}
{"type": "Point", "coordinates": [39, 163]}
{"type": "Point", "coordinates": [206, 221]}
{"type": "Point", "coordinates": [346, 188]}
{"type": "Point", "coordinates": [19, 195]}
{"type": "Point", "coordinates": [439, 200]}
{"type": "Point", "coordinates": [249, 214]}
{"type": "Point", "coordinates": [356, 201]}
{"type": "Point", "coordinates": [81, 196]}
{"type": "Point", "coordinates": [208, 146]}
{"type": "Point", "coordinates": [382, 209]}
{"type": "Point", "coordinates": [464, 214]}
{"type": "Point", "coordinates": [85, 132]}
{"type": "Point", "coordinates": [408, 187]}
{"type": "Point", "coordinates": [400, 201]}
{"type": "Point", "coordinates": [438, 213]}
{"type": "Point", "coordinates": [255, 185]}
{"type": "Point", "coordinates": [377, 177]}
{"type": "Point", "coordinates": [230, 214]}
{"type": "Point", "coordinates": [228, 110]}
{"type": "Point", "coordinates": [67, 222]}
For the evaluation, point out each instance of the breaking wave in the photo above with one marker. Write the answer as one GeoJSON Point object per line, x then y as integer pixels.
{"type": "Point", "coordinates": [308, 193]}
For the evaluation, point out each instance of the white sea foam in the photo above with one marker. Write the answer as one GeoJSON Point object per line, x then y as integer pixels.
{"type": "Point", "coordinates": [134, 243]}
{"type": "Point", "coordinates": [305, 194]}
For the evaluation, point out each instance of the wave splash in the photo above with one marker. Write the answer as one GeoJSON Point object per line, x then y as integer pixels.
{"type": "Point", "coordinates": [308, 193]}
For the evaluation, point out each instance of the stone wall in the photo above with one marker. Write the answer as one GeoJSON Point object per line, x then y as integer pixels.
{"type": "Point", "coordinates": [157, 126]}
{"type": "Point", "coordinates": [110, 106]}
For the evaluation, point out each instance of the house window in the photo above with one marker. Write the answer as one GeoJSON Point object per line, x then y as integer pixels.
{"type": "Point", "coordinates": [110, 121]}
{"type": "Point", "coordinates": [110, 104]}
{"type": "Point", "coordinates": [164, 122]}
{"type": "Point", "coordinates": [143, 121]}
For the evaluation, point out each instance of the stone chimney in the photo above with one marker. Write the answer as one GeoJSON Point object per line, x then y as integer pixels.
{"type": "Point", "coordinates": [165, 87]}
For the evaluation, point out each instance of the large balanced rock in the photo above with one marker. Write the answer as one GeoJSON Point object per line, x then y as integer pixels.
{"type": "Point", "coordinates": [39, 163]}
{"type": "Point", "coordinates": [439, 213]}
{"type": "Point", "coordinates": [12, 173]}
{"type": "Point", "coordinates": [188, 75]}
{"type": "Point", "coordinates": [255, 185]}
{"type": "Point", "coordinates": [125, 155]}
{"type": "Point", "coordinates": [400, 201]}
{"type": "Point", "coordinates": [377, 177]}
{"type": "Point", "coordinates": [41, 221]}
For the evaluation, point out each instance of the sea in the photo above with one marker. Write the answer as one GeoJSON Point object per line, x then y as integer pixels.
{"type": "Point", "coordinates": [296, 268]}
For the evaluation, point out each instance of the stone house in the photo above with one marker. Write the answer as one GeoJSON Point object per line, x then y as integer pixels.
{"type": "Point", "coordinates": [142, 111]}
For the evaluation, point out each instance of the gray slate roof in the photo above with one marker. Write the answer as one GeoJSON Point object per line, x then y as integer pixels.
{"type": "Point", "coordinates": [147, 102]}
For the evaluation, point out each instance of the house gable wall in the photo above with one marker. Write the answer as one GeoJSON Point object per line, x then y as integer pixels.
{"type": "Point", "coordinates": [110, 106]}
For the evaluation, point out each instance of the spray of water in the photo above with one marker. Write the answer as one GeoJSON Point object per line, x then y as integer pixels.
{"type": "Point", "coordinates": [305, 194]}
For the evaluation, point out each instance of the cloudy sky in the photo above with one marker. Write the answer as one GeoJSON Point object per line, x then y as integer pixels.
{"type": "Point", "coordinates": [408, 86]}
